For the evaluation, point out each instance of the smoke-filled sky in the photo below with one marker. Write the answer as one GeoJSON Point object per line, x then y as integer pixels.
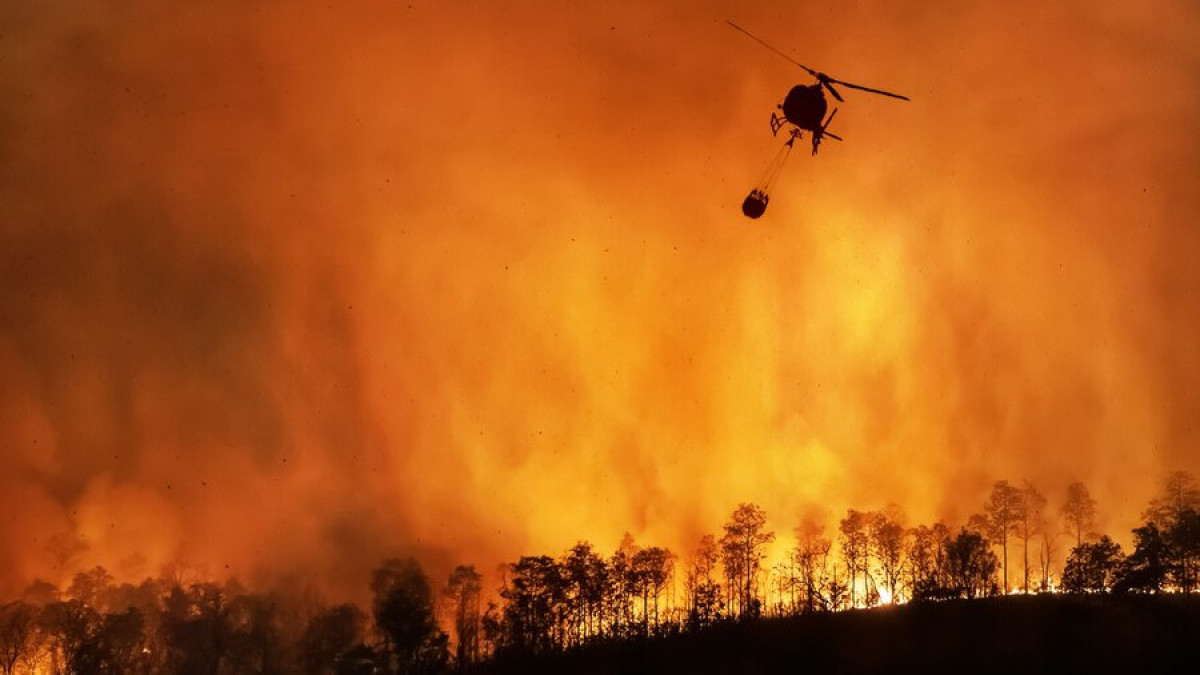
{"type": "Point", "coordinates": [286, 287]}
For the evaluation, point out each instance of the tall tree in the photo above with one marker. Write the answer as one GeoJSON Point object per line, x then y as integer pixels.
{"type": "Point", "coordinates": [650, 569]}
{"type": "Point", "coordinates": [1146, 568]}
{"type": "Point", "coordinates": [1049, 537]}
{"type": "Point", "coordinates": [463, 589]}
{"type": "Point", "coordinates": [786, 580]}
{"type": "Point", "coordinates": [18, 632]}
{"type": "Point", "coordinates": [887, 535]}
{"type": "Point", "coordinates": [1002, 514]}
{"type": "Point", "coordinates": [72, 627]}
{"type": "Point", "coordinates": [1176, 514]}
{"type": "Point", "coordinates": [195, 628]}
{"type": "Point", "coordinates": [927, 556]}
{"type": "Point", "coordinates": [1092, 568]}
{"type": "Point", "coordinates": [1031, 520]}
{"type": "Point", "coordinates": [970, 565]}
{"type": "Point", "coordinates": [1179, 495]}
{"type": "Point", "coordinates": [1184, 537]}
{"type": "Point", "coordinates": [1079, 511]}
{"type": "Point", "coordinates": [811, 557]}
{"type": "Point", "coordinates": [745, 537]}
{"type": "Point", "coordinates": [703, 592]}
{"type": "Point", "coordinates": [856, 544]}
{"type": "Point", "coordinates": [587, 579]}
{"type": "Point", "coordinates": [535, 595]}
{"type": "Point", "coordinates": [403, 608]}
{"type": "Point", "coordinates": [620, 592]}
{"type": "Point", "coordinates": [92, 588]}
{"type": "Point", "coordinates": [125, 642]}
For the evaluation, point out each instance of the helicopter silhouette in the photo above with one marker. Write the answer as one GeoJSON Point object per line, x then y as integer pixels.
{"type": "Point", "coordinates": [803, 109]}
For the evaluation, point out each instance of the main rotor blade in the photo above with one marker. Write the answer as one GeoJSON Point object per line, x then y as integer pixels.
{"type": "Point", "coordinates": [764, 43]}
{"type": "Point", "coordinates": [825, 81]}
{"type": "Point", "coordinates": [873, 91]}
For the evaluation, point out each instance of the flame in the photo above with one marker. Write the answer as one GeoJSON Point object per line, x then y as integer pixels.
{"type": "Point", "coordinates": [885, 596]}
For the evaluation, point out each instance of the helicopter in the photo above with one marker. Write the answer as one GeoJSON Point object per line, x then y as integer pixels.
{"type": "Point", "coordinates": [803, 109]}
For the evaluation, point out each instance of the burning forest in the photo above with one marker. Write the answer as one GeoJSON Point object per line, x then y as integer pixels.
{"type": "Point", "coordinates": [304, 306]}
{"type": "Point", "coordinates": [542, 606]}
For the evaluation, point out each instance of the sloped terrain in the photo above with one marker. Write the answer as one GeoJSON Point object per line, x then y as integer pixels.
{"type": "Point", "coordinates": [1039, 634]}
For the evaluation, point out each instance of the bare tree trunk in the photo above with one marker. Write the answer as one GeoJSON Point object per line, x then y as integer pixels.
{"type": "Point", "coordinates": [1004, 549]}
{"type": "Point", "coordinates": [1025, 554]}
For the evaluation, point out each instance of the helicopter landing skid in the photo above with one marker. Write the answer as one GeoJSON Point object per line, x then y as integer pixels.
{"type": "Point", "coordinates": [777, 123]}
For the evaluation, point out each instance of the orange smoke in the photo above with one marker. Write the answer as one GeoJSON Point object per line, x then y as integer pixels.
{"type": "Point", "coordinates": [288, 288]}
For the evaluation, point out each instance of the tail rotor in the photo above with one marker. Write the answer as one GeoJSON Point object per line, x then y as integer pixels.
{"type": "Point", "coordinates": [823, 132]}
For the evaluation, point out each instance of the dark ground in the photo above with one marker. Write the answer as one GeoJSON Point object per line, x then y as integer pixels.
{"type": "Point", "coordinates": [1037, 634]}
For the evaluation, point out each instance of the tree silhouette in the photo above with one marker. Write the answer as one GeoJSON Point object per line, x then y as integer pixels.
{"type": "Point", "coordinates": [704, 602]}
{"type": "Point", "coordinates": [921, 555]}
{"type": "Point", "coordinates": [254, 642]}
{"type": "Point", "coordinates": [1002, 513]}
{"type": "Point", "coordinates": [18, 633]}
{"type": "Point", "coordinates": [742, 548]}
{"type": "Point", "coordinates": [1079, 511]}
{"type": "Point", "coordinates": [650, 569]}
{"type": "Point", "coordinates": [587, 578]}
{"type": "Point", "coordinates": [856, 544]}
{"type": "Point", "coordinates": [1146, 568]}
{"type": "Point", "coordinates": [928, 565]}
{"type": "Point", "coordinates": [463, 589]}
{"type": "Point", "coordinates": [887, 542]}
{"type": "Point", "coordinates": [195, 625]}
{"type": "Point", "coordinates": [92, 588]}
{"type": "Point", "coordinates": [837, 591]}
{"type": "Point", "coordinates": [621, 591]}
{"type": "Point", "coordinates": [72, 628]}
{"type": "Point", "coordinates": [1046, 552]}
{"type": "Point", "coordinates": [1174, 513]}
{"type": "Point", "coordinates": [970, 566]}
{"type": "Point", "coordinates": [1184, 538]}
{"type": "Point", "coordinates": [1179, 494]}
{"type": "Point", "coordinates": [785, 580]}
{"type": "Point", "coordinates": [1031, 521]}
{"type": "Point", "coordinates": [123, 642]}
{"type": "Point", "coordinates": [403, 609]}
{"type": "Point", "coordinates": [1092, 568]}
{"type": "Point", "coordinates": [535, 597]}
{"type": "Point", "coordinates": [582, 604]}
{"type": "Point", "coordinates": [329, 636]}
{"type": "Point", "coordinates": [811, 557]}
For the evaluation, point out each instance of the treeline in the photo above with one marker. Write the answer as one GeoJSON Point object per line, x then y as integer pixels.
{"type": "Point", "coordinates": [166, 625]}
{"type": "Point", "coordinates": [547, 604]}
